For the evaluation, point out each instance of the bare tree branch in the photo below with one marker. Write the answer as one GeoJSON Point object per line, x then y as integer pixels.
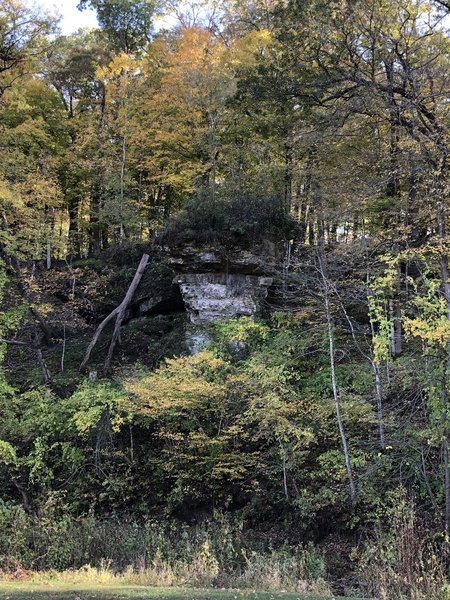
{"type": "Point", "coordinates": [119, 313]}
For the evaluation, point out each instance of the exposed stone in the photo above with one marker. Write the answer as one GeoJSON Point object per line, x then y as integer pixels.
{"type": "Point", "coordinates": [211, 297]}
{"type": "Point", "coordinates": [197, 339]}
{"type": "Point", "coordinates": [157, 294]}
{"type": "Point", "coordinates": [194, 259]}
{"type": "Point", "coordinates": [147, 305]}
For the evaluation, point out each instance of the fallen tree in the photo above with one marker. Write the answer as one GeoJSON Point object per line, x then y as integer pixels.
{"type": "Point", "coordinates": [118, 313]}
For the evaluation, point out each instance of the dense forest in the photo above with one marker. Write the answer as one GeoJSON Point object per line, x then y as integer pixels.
{"type": "Point", "coordinates": [225, 294]}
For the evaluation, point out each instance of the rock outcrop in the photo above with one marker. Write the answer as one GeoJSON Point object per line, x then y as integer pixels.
{"type": "Point", "coordinates": [219, 283]}
{"type": "Point", "coordinates": [211, 284]}
{"type": "Point", "coordinates": [215, 297]}
{"type": "Point", "coordinates": [189, 258]}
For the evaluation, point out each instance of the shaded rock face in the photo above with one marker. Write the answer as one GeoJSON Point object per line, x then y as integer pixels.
{"type": "Point", "coordinates": [157, 294]}
{"type": "Point", "coordinates": [197, 339]}
{"type": "Point", "coordinates": [215, 297]}
{"type": "Point", "coordinates": [215, 259]}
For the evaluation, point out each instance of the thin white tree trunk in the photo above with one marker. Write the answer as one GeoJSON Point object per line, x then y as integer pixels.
{"type": "Point", "coordinates": [283, 459]}
{"type": "Point", "coordinates": [380, 416]}
{"type": "Point", "coordinates": [334, 386]}
{"type": "Point", "coordinates": [49, 254]}
{"type": "Point", "coordinates": [376, 368]}
{"type": "Point", "coordinates": [63, 354]}
{"type": "Point", "coordinates": [445, 282]}
{"type": "Point", "coordinates": [122, 185]}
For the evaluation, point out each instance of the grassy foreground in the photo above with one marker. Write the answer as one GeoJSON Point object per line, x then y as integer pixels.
{"type": "Point", "coordinates": [36, 591]}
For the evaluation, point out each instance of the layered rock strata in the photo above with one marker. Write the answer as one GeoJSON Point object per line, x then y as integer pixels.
{"type": "Point", "coordinates": [215, 297]}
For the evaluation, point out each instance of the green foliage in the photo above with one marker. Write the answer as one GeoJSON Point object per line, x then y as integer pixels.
{"type": "Point", "coordinates": [244, 334]}
{"type": "Point", "coordinates": [229, 423]}
{"type": "Point", "coordinates": [244, 219]}
{"type": "Point", "coordinates": [33, 135]}
{"type": "Point", "coordinates": [154, 552]}
{"type": "Point", "coordinates": [402, 561]}
{"type": "Point", "coordinates": [7, 453]}
{"type": "Point", "coordinates": [428, 317]}
{"type": "Point", "coordinates": [314, 131]}
{"type": "Point", "coordinates": [89, 403]}
{"type": "Point", "coordinates": [23, 37]}
{"type": "Point", "coordinates": [128, 23]}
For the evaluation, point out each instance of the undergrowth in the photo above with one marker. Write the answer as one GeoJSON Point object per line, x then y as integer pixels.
{"type": "Point", "coordinates": [212, 554]}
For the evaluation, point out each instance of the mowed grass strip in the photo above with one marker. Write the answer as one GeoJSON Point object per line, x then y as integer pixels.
{"type": "Point", "coordinates": [32, 591]}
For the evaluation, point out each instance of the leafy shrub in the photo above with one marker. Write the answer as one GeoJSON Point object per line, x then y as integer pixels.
{"type": "Point", "coordinates": [214, 553]}
{"type": "Point", "coordinates": [240, 333]}
{"type": "Point", "coordinates": [244, 219]}
{"type": "Point", "coordinates": [400, 561]}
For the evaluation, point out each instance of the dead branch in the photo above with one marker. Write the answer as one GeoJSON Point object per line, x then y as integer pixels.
{"type": "Point", "coordinates": [39, 356]}
{"type": "Point", "coordinates": [14, 268]}
{"type": "Point", "coordinates": [119, 313]}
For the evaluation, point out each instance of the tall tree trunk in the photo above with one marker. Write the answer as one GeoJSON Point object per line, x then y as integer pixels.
{"type": "Point", "coordinates": [303, 209]}
{"type": "Point", "coordinates": [396, 323]}
{"type": "Point", "coordinates": [95, 234]}
{"type": "Point", "coordinates": [331, 350]}
{"type": "Point", "coordinates": [288, 163]}
{"type": "Point", "coordinates": [445, 282]}
{"type": "Point", "coordinates": [379, 392]}
{"type": "Point", "coordinates": [393, 191]}
{"type": "Point", "coordinates": [122, 188]}
{"type": "Point", "coordinates": [336, 397]}
{"type": "Point", "coordinates": [123, 161]}
{"type": "Point", "coordinates": [311, 234]}
{"type": "Point", "coordinates": [74, 236]}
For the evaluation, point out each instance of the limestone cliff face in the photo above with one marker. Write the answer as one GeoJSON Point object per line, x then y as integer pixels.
{"type": "Point", "coordinates": [219, 283]}
{"type": "Point", "coordinates": [215, 297]}
{"type": "Point", "coordinates": [190, 258]}
{"type": "Point", "coordinates": [212, 284]}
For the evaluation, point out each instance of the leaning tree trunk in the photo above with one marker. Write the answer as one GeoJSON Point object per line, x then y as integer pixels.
{"type": "Point", "coordinates": [119, 314]}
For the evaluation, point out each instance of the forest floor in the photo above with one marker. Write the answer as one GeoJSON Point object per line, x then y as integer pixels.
{"type": "Point", "coordinates": [33, 591]}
